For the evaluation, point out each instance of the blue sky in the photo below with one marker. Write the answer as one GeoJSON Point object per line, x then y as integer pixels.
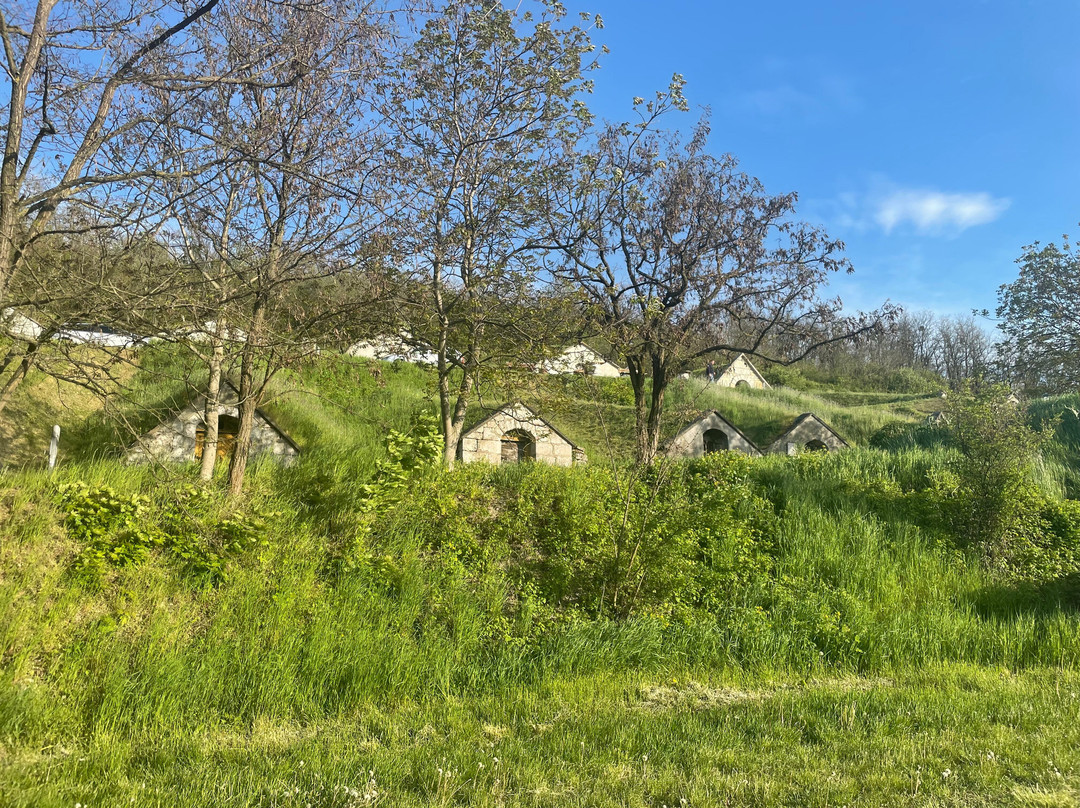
{"type": "Point", "coordinates": [935, 139]}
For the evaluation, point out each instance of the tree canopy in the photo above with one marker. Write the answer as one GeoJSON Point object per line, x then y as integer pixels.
{"type": "Point", "coordinates": [1039, 315]}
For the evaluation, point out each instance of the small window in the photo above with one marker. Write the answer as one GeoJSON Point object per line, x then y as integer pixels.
{"type": "Point", "coordinates": [228, 428]}
{"type": "Point", "coordinates": [518, 446]}
{"type": "Point", "coordinates": [716, 440]}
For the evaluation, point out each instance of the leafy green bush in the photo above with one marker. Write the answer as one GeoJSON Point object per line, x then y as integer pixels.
{"type": "Point", "coordinates": [996, 449]}
{"type": "Point", "coordinates": [122, 530]}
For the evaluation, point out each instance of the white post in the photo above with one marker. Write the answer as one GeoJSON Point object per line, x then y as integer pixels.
{"type": "Point", "coordinates": [54, 445]}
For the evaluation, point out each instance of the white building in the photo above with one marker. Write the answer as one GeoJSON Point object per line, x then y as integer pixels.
{"type": "Point", "coordinates": [388, 348]}
{"type": "Point", "coordinates": [582, 359]}
{"type": "Point", "coordinates": [19, 326]}
{"type": "Point", "coordinates": [742, 373]}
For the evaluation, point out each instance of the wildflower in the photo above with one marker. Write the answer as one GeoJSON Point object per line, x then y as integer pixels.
{"type": "Point", "coordinates": [945, 775]}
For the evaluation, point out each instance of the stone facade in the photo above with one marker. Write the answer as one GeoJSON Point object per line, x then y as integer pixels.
{"type": "Point", "coordinates": [709, 433]}
{"type": "Point", "coordinates": [514, 432]}
{"type": "Point", "coordinates": [583, 359]}
{"type": "Point", "coordinates": [742, 373]}
{"type": "Point", "coordinates": [808, 432]}
{"type": "Point", "coordinates": [175, 440]}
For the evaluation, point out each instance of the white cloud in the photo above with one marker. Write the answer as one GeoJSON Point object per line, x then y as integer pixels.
{"type": "Point", "coordinates": [936, 212]}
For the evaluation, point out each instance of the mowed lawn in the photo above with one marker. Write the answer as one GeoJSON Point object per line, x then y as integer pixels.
{"type": "Point", "coordinates": [950, 736]}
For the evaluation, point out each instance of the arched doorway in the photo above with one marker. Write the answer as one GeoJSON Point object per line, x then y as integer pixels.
{"type": "Point", "coordinates": [228, 428]}
{"type": "Point", "coordinates": [742, 383]}
{"type": "Point", "coordinates": [715, 440]}
{"type": "Point", "coordinates": [816, 445]}
{"type": "Point", "coordinates": [518, 446]}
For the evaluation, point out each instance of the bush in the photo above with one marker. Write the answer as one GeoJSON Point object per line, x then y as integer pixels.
{"type": "Point", "coordinates": [996, 450]}
{"type": "Point", "coordinates": [122, 530]}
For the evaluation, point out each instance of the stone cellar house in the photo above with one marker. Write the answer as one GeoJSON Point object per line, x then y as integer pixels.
{"type": "Point", "coordinates": [807, 433]}
{"type": "Point", "coordinates": [180, 439]}
{"type": "Point", "coordinates": [708, 433]}
{"type": "Point", "coordinates": [742, 373]}
{"type": "Point", "coordinates": [513, 433]}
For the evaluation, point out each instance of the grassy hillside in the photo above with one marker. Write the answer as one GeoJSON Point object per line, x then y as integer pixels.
{"type": "Point", "coordinates": [806, 630]}
{"type": "Point", "coordinates": [337, 403]}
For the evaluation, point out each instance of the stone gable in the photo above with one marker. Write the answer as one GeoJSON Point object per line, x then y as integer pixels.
{"type": "Point", "coordinates": [742, 373]}
{"type": "Point", "coordinates": [808, 432]}
{"type": "Point", "coordinates": [175, 440]}
{"type": "Point", "coordinates": [708, 433]}
{"type": "Point", "coordinates": [492, 440]}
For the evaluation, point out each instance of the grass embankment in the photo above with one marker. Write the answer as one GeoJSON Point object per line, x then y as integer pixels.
{"type": "Point", "coordinates": [787, 631]}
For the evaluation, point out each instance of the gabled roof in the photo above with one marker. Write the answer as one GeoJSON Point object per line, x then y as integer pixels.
{"type": "Point", "coordinates": [749, 364]}
{"type": "Point", "coordinates": [508, 409]}
{"type": "Point", "coordinates": [705, 415]}
{"type": "Point", "coordinates": [809, 415]}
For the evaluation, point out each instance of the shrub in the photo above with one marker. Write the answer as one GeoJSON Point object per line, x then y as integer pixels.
{"type": "Point", "coordinates": [996, 450]}
{"type": "Point", "coordinates": [118, 529]}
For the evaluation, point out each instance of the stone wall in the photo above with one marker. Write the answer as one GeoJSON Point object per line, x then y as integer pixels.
{"type": "Point", "coordinates": [691, 441]}
{"type": "Point", "coordinates": [807, 427]}
{"type": "Point", "coordinates": [174, 441]}
{"type": "Point", "coordinates": [741, 371]}
{"type": "Point", "coordinates": [484, 441]}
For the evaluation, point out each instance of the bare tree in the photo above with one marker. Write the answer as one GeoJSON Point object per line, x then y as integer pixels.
{"type": "Point", "coordinates": [966, 350]}
{"type": "Point", "coordinates": [299, 165]}
{"type": "Point", "coordinates": [76, 108]}
{"type": "Point", "coordinates": [678, 255]}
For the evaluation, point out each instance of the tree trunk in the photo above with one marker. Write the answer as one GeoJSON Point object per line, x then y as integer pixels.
{"type": "Point", "coordinates": [641, 408]}
{"type": "Point", "coordinates": [247, 404]}
{"type": "Point", "coordinates": [19, 374]}
{"type": "Point", "coordinates": [213, 406]}
{"type": "Point", "coordinates": [648, 403]}
{"type": "Point", "coordinates": [656, 403]}
{"type": "Point", "coordinates": [452, 409]}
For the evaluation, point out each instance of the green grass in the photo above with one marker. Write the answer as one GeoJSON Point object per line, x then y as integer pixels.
{"type": "Point", "coordinates": [956, 736]}
{"type": "Point", "coordinates": [851, 652]}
